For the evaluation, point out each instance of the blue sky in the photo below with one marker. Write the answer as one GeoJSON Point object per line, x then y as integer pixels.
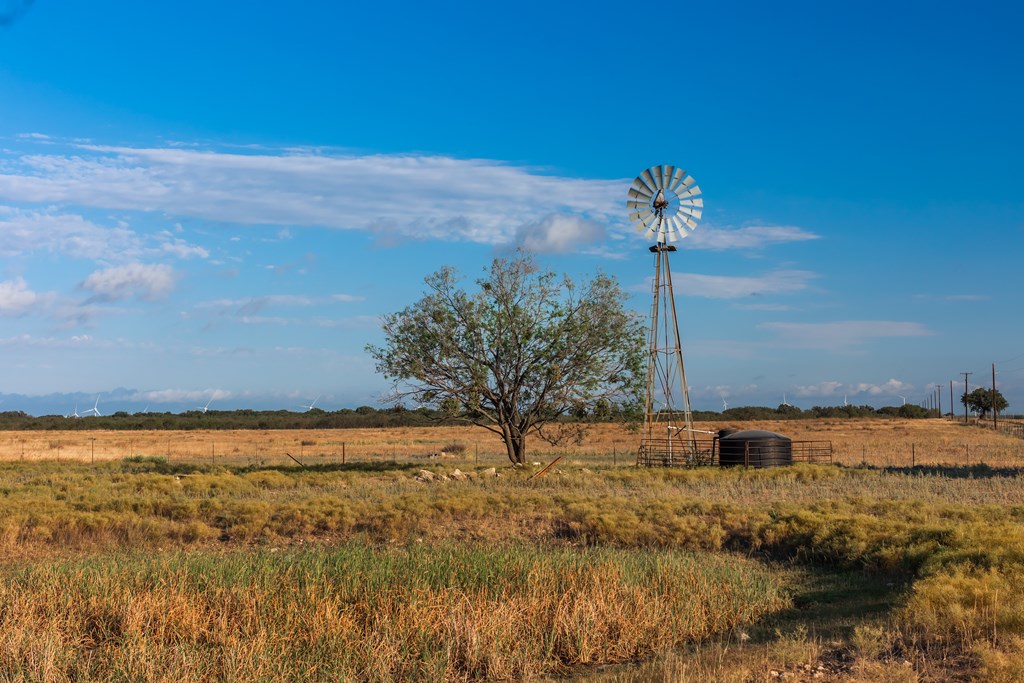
{"type": "Point", "coordinates": [216, 201]}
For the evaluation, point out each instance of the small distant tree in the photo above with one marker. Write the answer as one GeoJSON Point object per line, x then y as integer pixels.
{"type": "Point", "coordinates": [912, 410]}
{"type": "Point", "coordinates": [980, 401]}
{"type": "Point", "coordinates": [524, 349]}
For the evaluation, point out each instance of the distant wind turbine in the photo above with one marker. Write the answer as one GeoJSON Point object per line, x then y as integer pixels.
{"type": "Point", "coordinates": [784, 399]}
{"type": "Point", "coordinates": [206, 407]}
{"type": "Point", "coordinates": [311, 405]}
{"type": "Point", "coordinates": [75, 414]}
{"type": "Point", "coordinates": [95, 410]}
{"type": "Point", "coordinates": [725, 404]}
{"type": "Point", "coordinates": [845, 404]}
{"type": "Point", "coordinates": [903, 397]}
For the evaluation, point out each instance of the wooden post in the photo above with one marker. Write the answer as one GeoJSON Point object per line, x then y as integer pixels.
{"type": "Point", "coordinates": [342, 452]}
{"type": "Point", "coordinates": [995, 408]}
{"type": "Point", "coordinates": [913, 456]}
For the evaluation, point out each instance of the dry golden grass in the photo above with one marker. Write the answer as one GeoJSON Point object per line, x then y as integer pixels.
{"type": "Point", "coordinates": [879, 442]}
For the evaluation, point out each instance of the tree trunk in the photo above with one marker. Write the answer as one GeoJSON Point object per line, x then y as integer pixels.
{"type": "Point", "coordinates": [515, 444]}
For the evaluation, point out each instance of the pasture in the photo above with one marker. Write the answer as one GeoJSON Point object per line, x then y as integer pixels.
{"type": "Point", "coordinates": [877, 442]}
{"type": "Point", "coordinates": [231, 561]}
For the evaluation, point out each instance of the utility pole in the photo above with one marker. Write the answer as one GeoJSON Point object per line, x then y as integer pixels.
{"type": "Point", "coordinates": [965, 374]}
{"type": "Point", "coordinates": [938, 397]}
{"type": "Point", "coordinates": [951, 404]}
{"type": "Point", "coordinates": [995, 408]}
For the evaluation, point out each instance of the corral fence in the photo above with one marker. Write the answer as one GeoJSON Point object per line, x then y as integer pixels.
{"type": "Point", "coordinates": [753, 453]}
{"type": "Point", "coordinates": [1012, 428]}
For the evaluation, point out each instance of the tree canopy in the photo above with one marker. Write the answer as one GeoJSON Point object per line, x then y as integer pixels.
{"type": "Point", "coordinates": [523, 349]}
{"type": "Point", "coordinates": [980, 401]}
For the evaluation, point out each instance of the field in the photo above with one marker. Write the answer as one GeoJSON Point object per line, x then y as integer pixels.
{"type": "Point", "coordinates": [881, 442]}
{"type": "Point", "coordinates": [200, 556]}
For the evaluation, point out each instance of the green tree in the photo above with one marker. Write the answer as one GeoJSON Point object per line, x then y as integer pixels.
{"type": "Point", "coordinates": [980, 401]}
{"type": "Point", "coordinates": [523, 349]}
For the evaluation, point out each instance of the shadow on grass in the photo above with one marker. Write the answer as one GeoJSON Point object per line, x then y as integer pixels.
{"type": "Point", "coordinates": [160, 465]}
{"type": "Point", "coordinates": [831, 603]}
{"type": "Point", "coordinates": [979, 471]}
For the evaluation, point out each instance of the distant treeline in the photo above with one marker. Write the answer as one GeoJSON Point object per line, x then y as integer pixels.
{"type": "Point", "coordinates": [369, 417]}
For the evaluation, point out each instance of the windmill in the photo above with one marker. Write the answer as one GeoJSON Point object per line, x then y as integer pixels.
{"type": "Point", "coordinates": [206, 407]}
{"type": "Point", "coordinates": [75, 414]}
{"type": "Point", "coordinates": [311, 405]}
{"type": "Point", "coordinates": [664, 203]}
{"type": "Point", "coordinates": [725, 404]}
{"type": "Point", "coordinates": [95, 410]}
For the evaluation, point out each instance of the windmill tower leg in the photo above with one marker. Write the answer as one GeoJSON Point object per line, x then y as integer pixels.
{"type": "Point", "coordinates": [668, 421]}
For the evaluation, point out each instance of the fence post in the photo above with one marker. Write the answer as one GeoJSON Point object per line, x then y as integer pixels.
{"type": "Point", "coordinates": [342, 452]}
{"type": "Point", "coordinates": [913, 456]}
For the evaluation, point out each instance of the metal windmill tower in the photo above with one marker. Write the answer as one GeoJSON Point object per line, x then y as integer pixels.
{"type": "Point", "coordinates": [665, 204]}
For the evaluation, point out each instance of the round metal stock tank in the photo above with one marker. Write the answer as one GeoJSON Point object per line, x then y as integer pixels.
{"type": "Point", "coordinates": [756, 448]}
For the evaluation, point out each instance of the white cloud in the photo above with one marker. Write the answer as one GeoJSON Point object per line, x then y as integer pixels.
{"type": "Point", "coordinates": [80, 341]}
{"type": "Point", "coordinates": [436, 197]}
{"type": "Point", "coordinates": [893, 387]}
{"type": "Point", "coordinates": [25, 232]}
{"type": "Point", "coordinates": [135, 280]}
{"type": "Point", "coordinates": [750, 237]}
{"type": "Point", "coordinates": [347, 298]}
{"type": "Point", "coordinates": [17, 299]}
{"type": "Point", "coordinates": [733, 287]}
{"type": "Point", "coordinates": [843, 333]}
{"type": "Point", "coordinates": [181, 395]}
{"type": "Point", "coordinates": [827, 388]}
{"type": "Point", "coordinates": [558, 233]}
{"type": "Point", "coordinates": [183, 250]}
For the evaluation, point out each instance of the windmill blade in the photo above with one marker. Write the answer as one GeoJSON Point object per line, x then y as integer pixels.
{"type": "Point", "coordinates": [669, 173]}
{"type": "Point", "coordinates": [666, 175]}
{"type": "Point", "coordinates": [691, 202]}
{"type": "Point", "coordinates": [638, 189]}
{"type": "Point", "coordinates": [677, 224]}
{"type": "Point", "coordinates": [637, 204]}
{"type": "Point", "coordinates": [677, 177]}
{"type": "Point", "coordinates": [641, 215]}
{"type": "Point", "coordinates": [651, 232]}
{"type": "Point", "coordinates": [649, 179]}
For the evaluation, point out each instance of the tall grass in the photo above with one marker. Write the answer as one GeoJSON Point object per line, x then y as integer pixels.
{"type": "Point", "coordinates": [362, 613]}
{"type": "Point", "coordinates": [955, 533]}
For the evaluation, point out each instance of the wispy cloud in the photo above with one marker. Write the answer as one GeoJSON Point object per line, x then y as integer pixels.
{"type": "Point", "coordinates": [477, 200]}
{"type": "Point", "coordinates": [135, 280]}
{"type": "Point", "coordinates": [749, 238]}
{"type": "Point", "coordinates": [50, 230]}
{"type": "Point", "coordinates": [734, 287]}
{"type": "Point", "coordinates": [842, 334]}
{"type": "Point", "coordinates": [181, 395]}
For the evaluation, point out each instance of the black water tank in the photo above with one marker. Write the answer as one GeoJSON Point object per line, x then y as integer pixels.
{"type": "Point", "coordinates": [755, 447]}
